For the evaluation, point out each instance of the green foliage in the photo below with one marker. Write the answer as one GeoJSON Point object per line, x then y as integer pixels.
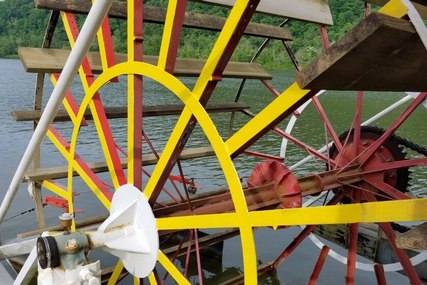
{"type": "Point", "coordinates": [20, 25]}
{"type": "Point", "coordinates": [23, 25]}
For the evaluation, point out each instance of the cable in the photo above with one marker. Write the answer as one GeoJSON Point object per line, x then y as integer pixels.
{"type": "Point", "coordinates": [22, 213]}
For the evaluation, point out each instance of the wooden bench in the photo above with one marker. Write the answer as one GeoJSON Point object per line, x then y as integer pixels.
{"type": "Point", "coordinates": [40, 174]}
{"type": "Point", "coordinates": [121, 112]}
{"type": "Point", "coordinates": [158, 15]}
{"type": "Point", "coordinates": [40, 60]}
{"type": "Point", "coordinates": [381, 53]}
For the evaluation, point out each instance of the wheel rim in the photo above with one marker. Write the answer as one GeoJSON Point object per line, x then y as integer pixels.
{"type": "Point", "coordinates": [359, 265]}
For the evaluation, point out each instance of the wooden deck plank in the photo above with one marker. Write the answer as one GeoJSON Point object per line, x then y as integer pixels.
{"type": "Point", "coordinates": [52, 61]}
{"type": "Point", "coordinates": [381, 53]}
{"type": "Point", "coordinates": [315, 11]}
{"type": "Point", "coordinates": [157, 15]}
{"type": "Point", "coordinates": [121, 112]}
{"type": "Point", "coordinates": [420, 5]}
{"type": "Point", "coordinates": [41, 174]}
{"type": "Point", "coordinates": [415, 238]}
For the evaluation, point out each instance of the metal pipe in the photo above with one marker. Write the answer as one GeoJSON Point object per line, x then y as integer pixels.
{"type": "Point", "coordinates": [417, 21]}
{"type": "Point", "coordinates": [96, 14]}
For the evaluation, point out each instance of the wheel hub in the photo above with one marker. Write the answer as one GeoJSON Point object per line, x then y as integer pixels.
{"type": "Point", "coordinates": [388, 152]}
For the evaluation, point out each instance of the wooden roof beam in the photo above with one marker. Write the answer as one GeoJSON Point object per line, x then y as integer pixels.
{"type": "Point", "coordinates": [381, 53]}
{"type": "Point", "coordinates": [157, 15]}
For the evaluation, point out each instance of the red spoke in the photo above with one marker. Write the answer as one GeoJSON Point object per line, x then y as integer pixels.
{"type": "Point", "coordinates": [325, 38]}
{"type": "Point", "coordinates": [395, 165]}
{"type": "Point", "coordinates": [98, 112]}
{"type": "Point", "coordinates": [181, 243]}
{"type": "Point", "coordinates": [135, 100]}
{"type": "Point", "coordinates": [304, 146]}
{"type": "Point", "coordinates": [330, 166]}
{"type": "Point", "coordinates": [86, 170]}
{"type": "Point", "coordinates": [357, 123]}
{"type": "Point", "coordinates": [386, 188]}
{"type": "Point", "coordinates": [187, 257]}
{"type": "Point", "coordinates": [364, 157]}
{"type": "Point", "coordinates": [352, 246]}
{"type": "Point", "coordinates": [379, 274]}
{"type": "Point", "coordinates": [155, 153]}
{"type": "Point", "coordinates": [366, 192]}
{"type": "Point", "coordinates": [270, 88]}
{"type": "Point", "coordinates": [170, 55]}
{"type": "Point", "coordinates": [199, 263]}
{"type": "Point", "coordinates": [352, 249]}
{"type": "Point", "coordinates": [263, 155]}
{"type": "Point", "coordinates": [293, 245]}
{"type": "Point", "coordinates": [401, 254]}
{"type": "Point", "coordinates": [319, 265]}
{"type": "Point", "coordinates": [303, 234]}
{"type": "Point", "coordinates": [165, 190]}
{"type": "Point", "coordinates": [187, 195]}
{"type": "Point", "coordinates": [328, 124]}
{"type": "Point", "coordinates": [295, 141]}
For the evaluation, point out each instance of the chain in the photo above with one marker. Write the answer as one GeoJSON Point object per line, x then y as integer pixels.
{"type": "Point", "coordinates": [398, 140]}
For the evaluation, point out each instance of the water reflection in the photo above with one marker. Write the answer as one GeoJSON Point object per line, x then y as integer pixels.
{"type": "Point", "coordinates": [207, 171]}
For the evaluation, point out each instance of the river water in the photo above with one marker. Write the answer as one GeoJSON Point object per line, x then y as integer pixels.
{"type": "Point", "coordinates": [17, 92]}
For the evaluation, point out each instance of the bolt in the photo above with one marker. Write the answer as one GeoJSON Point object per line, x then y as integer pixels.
{"type": "Point", "coordinates": [365, 143]}
{"type": "Point", "coordinates": [381, 148]}
{"type": "Point", "coordinates": [72, 244]}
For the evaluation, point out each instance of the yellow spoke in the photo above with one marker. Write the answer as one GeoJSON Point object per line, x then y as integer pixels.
{"type": "Point", "coordinates": [152, 279]}
{"type": "Point", "coordinates": [65, 102]}
{"type": "Point", "coordinates": [80, 171]}
{"type": "Point", "coordinates": [116, 273]}
{"type": "Point", "coordinates": [171, 269]}
{"type": "Point", "coordinates": [394, 8]}
{"type": "Point", "coordinates": [56, 188]}
{"type": "Point", "coordinates": [249, 252]}
{"type": "Point", "coordinates": [167, 33]}
{"type": "Point", "coordinates": [220, 46]}
{"type": "Point", "coordinates": [208, 221]}
{"type": "Point", "coordinates": [389, 211]}
{"type": "Point", "coordinates": [266, 117]}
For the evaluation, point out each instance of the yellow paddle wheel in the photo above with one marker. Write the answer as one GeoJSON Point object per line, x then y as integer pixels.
{"type": "Point", "coordinates": [361, 185]}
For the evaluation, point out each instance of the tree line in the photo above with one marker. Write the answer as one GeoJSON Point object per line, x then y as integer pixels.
{"type": "Point", "coordinates": [23, 25]}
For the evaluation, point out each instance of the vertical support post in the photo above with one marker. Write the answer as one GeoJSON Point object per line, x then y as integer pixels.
{"type": "Point", "coordinates": [319, 265]}
{"type": "Point", "coordinates": [91, 25]}
{"type": "Point", "coordinates": [36, 188]}
{"type": "Point", "coordinates": [325, 38]}
{"type": "Point", "coordinates": [135, 93]}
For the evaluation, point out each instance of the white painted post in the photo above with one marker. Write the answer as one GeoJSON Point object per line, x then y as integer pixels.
{"type": "Point", "coordinates": [93, 21]}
